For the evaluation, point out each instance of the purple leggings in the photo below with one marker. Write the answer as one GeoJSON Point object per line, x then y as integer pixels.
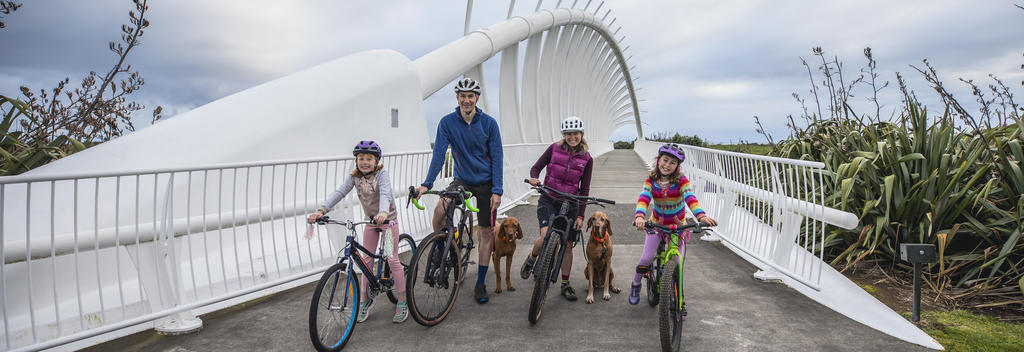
{"type": "Point", "coordinates": [651, 249]}
{"type": "Point", "coordinates": [370, 239]}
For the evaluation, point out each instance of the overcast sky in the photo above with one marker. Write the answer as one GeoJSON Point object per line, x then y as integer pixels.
{"type": "Point", "coordinates": [704, 67]}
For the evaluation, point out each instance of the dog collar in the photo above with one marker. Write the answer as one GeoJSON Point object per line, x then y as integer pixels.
{"type": "Point", "coordinates": [593, 234]}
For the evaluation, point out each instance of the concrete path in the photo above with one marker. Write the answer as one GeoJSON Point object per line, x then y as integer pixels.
{"type": "Point", "coordinates": [728, 309]}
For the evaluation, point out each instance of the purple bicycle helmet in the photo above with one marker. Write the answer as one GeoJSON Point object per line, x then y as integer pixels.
{"type": "Point", "coordinates": [673, 150]}
{"type": "Point", "coordinates": [370, 147]}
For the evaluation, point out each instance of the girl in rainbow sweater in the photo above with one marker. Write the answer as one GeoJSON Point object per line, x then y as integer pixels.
{"type": "Point", "coordinates": [666, 195]}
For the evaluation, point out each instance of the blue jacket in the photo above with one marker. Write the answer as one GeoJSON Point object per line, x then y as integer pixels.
{"type": "Point", "coordinates": [476, 150]}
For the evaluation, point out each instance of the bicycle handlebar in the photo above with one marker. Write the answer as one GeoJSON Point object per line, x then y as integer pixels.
{"type": "Point", "coordinates": [347, 223]}
{"type": "Point", "coordinates": [650, 225]}
{"type": "Point", "coordinates": [586, 199]}
{"type": "Point", "coordinates": [460, 194]}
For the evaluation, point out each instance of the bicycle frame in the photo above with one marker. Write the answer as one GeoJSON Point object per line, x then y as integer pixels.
{"type": "Point", "coordinates": [463, 206]}
{"type": "Point", "coordinates": [673, 244]}
{"type": "Point", "coordinates": [372, 280]}
{"type": "Point", "coordinates": [672, 247]}
{"type": "Point", "coordinates": [563, 237]}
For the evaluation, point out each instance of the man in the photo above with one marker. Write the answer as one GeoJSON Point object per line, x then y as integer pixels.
{"type": "Point", "coordinates": [476, 151]}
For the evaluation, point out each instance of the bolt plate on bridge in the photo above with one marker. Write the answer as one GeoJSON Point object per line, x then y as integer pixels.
{"type": "Point", "coordinates": [179, 324]}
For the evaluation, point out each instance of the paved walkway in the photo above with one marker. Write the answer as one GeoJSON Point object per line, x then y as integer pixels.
{"type": "Point", "coordinates": [728, 309]}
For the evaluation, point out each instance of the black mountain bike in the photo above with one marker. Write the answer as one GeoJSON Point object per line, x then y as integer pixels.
{"type": "Point", "coordinates": [335, 304]}
{"type": "Point", "coordinates": [559, 237]}
{"type": "Point", "coordinates": [439, 265]}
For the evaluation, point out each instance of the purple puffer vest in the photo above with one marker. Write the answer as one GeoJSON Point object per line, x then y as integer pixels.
{"type": "Point", "coordinates": [565, 171]}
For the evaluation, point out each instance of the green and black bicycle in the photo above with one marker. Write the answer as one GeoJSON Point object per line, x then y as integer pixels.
{"type": "Point", "coordinates": [439, 264]}
{"type": "Point", "coordinates": [664, 280]}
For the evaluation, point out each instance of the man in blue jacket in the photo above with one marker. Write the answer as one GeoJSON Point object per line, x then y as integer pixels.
{"type": "Point", "coordinates": [476, 151]}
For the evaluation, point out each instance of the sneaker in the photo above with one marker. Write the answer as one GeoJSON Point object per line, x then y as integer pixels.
{"type": "Point", "coordinates": [528, 267]}
{"type": "Point", "coordinates": [481, 294]}
{"type": "Point", "coordinates": [364, 310]}
{"type": "Point", "coordinates": [634, 293]}
{"type": "Point", "coordinates": [568, 292]}
{"type": "Point", "coordinates": [401, 312]}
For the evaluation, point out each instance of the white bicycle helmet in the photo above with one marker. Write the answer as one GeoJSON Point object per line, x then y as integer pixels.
{"type": "Point", "coordinates": [467, 85]}
{"type": "Point", "coordinates": [572, 124]}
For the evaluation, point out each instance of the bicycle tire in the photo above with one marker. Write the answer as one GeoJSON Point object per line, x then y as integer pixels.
{"type": "Point", "coordinates": [324, 323]}
{"type": "Point", "coordinates": [541, 274]}
{"type": "Point", "coordinates": [404, 241]}
{"type": "Point", "coordinates": [465, 249]}
{"type": "Point", "coordinates": [653, 278]}
{"type": "Point", "coordinates": [425, 298]}
{"type": "Point", "coordinates": [670, 318]}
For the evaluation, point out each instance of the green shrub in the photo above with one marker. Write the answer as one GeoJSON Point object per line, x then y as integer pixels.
{"type": "Point", "coordinates": [953, 180]}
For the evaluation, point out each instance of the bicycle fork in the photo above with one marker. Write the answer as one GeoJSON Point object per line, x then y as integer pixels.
{"type": "Point", "coordinates": [437, 274]}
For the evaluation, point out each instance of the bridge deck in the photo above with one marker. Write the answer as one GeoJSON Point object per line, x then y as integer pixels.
{"type": "Point", "coordinates": [729, 310]}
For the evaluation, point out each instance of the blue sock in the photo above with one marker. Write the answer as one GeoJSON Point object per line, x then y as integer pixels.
{"type": "Point", "coordinates": [481, 274]}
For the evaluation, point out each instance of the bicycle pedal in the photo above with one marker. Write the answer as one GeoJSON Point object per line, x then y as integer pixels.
{"type": "Point", "coordinates": [471, 262]}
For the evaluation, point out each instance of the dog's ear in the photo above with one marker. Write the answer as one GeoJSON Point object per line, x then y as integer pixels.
{"type": "Point", "coordinates": [501, 231]}
{"type": "Point", "coordinates": [590, 222]}
{"type": "Point", "coordinates": [608, 223]}
{"type": "Point", "coordinates": [519, 231]}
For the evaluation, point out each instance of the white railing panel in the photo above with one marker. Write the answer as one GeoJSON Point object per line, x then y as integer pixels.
{"type": "Point", "coordinates": [766, 207]}
{"type": "Point", "coordinates": [134, 244]}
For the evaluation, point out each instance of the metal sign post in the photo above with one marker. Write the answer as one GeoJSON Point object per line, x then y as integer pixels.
{"type": "Point", "coordinates": [917, 253]}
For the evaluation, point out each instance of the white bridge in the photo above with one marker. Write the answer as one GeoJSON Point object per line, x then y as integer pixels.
{"type": "Point", "coordinates": [206, 210]}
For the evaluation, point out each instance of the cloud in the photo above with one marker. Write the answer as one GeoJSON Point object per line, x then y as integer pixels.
{"type": "Point", "coordinates": [696, 61]}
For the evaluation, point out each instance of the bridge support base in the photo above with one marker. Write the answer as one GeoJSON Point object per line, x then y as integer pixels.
{"type": "Point", "coordinates": [179, 324]}
{"type": "Point", "coordinates": [710, 237]}
{"type": "Point", "coordinates": [768, 276]}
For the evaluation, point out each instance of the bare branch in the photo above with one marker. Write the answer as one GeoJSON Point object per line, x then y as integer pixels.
{"type": "Point", "coordinates": [760, 130]}
{"type": "Point", "coordinates": [6, 8]}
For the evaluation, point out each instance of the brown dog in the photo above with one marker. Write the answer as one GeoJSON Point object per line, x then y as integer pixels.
{"type": "Point", "coordinates": [599, 256]}
{"type": "Point", "coordinates": [505, 246]}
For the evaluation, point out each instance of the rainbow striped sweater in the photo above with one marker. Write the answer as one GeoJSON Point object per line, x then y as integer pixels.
{"type": "Point", "coordinates": [668, 203]}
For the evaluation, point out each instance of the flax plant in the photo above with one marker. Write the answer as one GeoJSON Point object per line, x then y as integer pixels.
{"type": "Point", "coordinates": [952, 179]}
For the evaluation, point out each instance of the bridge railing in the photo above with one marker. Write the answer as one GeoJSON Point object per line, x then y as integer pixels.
{"type": "Point", "coordinates": [93, 253]}
{"type": "Point", "coordinates": [771, 209]}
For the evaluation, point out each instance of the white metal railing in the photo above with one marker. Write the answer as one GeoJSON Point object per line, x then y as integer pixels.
{"type": "Point", "coordinates": [771, 209]}
{"type": "Point", "coordinates": [87, 254]}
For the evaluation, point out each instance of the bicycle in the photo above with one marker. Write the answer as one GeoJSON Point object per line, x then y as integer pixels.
{"type": "Point", "coordinates": [443, 257]}
{"type": "Point", "coordinates": [669, 292]}
{"type": "Point", "coordinates": [334, 304]}
{"type": "Point", "coordinates": [547, 268]}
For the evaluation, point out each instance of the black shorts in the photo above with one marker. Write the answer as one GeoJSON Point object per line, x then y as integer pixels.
{"type": "Point", "coordinates": [482, 193]}
{"type": "Point", "coordinates": [547, 206]}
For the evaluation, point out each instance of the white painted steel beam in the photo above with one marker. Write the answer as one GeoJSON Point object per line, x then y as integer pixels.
{"type": "Point", "coordinates": [441, 66]}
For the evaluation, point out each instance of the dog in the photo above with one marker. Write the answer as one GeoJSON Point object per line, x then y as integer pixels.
{"type": "Point", "coordinates": [505, 247]}
{"type": "Point", "coordinates": [599, 256]}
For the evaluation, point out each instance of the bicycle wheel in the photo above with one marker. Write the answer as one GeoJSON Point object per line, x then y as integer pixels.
{"type": "Point", "coordinates": [465, 244]}
{"type": "Point", "coordinates": [406, 248]}
{"type": "Point", "coordinates": [332, 312]}
{"type": "Point", "coordinates": [653, 278]}
{"type": "Point", "coordinates": [541, 273]}
{"type": "Point", "coordinates": [432, 283]}
{"type": "Point", "coordinates": [670, 316]}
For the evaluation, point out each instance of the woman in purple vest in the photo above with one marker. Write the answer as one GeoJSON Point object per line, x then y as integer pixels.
{"type": "Point", "coordinates": [569, 167]}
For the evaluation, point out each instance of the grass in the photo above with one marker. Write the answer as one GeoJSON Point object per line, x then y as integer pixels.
{"type": "Point", "coordinates": [759, 149]}
{"type": "Point", "coordinates": [959, 330]}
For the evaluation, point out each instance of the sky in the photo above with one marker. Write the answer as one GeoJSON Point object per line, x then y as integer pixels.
{"type": "Point", "coordinates": [703, 67]}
